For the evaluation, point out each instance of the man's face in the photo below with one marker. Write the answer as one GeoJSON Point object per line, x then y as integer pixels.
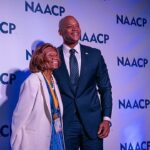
{"type": "Point", "coordinates": [70, 30]}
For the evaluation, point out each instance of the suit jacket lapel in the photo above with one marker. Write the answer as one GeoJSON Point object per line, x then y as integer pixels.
{"type": "Point", "coordinates": [63, 74]}
{"type": "Point", "coordinates": [45, 94]}
{"type": "Point", "coordinates": [63, 65]}
{"type": "Point", "coordinates": [83, 74]}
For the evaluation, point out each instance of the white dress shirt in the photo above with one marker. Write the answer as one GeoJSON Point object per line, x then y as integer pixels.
{"type": "Point", "coordinates": [66, 53]}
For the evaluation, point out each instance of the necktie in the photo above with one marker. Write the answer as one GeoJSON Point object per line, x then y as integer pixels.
{"type": "Point", "coordinates": [74, 71]}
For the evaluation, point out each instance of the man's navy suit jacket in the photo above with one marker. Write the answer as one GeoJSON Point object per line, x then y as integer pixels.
{"type": "Point", "coordinates": [93, 80]}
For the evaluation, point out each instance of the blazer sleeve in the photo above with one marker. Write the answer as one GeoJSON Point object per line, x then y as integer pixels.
{"type": "Point", "coordinates": [24, 106]}
{"type": "Point", "coordinates": [104, 87]}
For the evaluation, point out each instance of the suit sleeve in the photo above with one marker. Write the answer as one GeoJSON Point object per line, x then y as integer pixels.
{"type": "Point", "coordinates": [24, 106]}
{"type": "Point", "coordinates": [104, 87]}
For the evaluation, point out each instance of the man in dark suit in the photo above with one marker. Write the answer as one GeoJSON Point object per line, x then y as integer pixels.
{"type": "Point", "coordinates": [82, 76]}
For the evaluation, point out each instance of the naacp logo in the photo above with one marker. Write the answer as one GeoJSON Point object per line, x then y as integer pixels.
{"type": "Point", "coordinates": [134, 104]}
{"type": "Point", "coordinates": [144, 145]}
{"type": "Point", "coordinates": [125, 20]}
{"type": "Point", "coordinates": [38, 8]}
{"type": "Point", "coordinates": [96, 38]}
{"type": "Point", "coordinates": [135, 62]}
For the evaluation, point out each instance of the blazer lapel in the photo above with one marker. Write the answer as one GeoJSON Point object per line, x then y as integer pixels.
{"type": "Point", "coordinates": [63, 66]}
{"type": "Point", "coordinates": [84, 67]}
{"type": "Point", "coordinates": [45, 94]}
{"type": "Point", "coordinates": [62, 75]}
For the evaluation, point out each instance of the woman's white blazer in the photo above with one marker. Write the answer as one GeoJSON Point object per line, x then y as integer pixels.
{"type": "Point", "coordinates": [31, 122]}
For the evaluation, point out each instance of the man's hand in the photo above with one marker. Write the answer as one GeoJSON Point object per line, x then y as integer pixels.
{"type": "Point", "coordinates": [104, 129]}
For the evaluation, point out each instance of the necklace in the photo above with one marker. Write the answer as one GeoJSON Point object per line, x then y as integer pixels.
{"type": "Point", "coordinates": [52, 89]}
{"type": "Point", "coordinates": [50, 82]}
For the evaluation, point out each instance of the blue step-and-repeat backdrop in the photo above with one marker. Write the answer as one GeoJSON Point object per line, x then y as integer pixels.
{"type": "Point", "coordinates": [120, 29]}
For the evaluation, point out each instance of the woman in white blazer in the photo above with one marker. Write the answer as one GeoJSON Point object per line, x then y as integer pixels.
{"type": "Point", "coordinates": [37, 118]}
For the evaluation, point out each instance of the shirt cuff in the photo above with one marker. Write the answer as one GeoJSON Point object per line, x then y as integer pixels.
{"type": "Point", "coordinates": [108, 119]}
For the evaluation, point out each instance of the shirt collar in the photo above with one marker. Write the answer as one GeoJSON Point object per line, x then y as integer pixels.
{"type": "Point", "coordinates": [67, 48]}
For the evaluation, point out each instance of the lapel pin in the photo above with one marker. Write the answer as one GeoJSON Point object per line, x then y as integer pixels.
{"type": "Point", "coordinates": [86, 53]}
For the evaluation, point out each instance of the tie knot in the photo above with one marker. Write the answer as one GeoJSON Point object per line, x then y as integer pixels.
{"type": "Point", "coordinates": [72, 51]}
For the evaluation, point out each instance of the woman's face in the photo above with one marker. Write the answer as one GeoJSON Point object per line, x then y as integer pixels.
{"type": "Point", "coordinates": [51, 58]}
